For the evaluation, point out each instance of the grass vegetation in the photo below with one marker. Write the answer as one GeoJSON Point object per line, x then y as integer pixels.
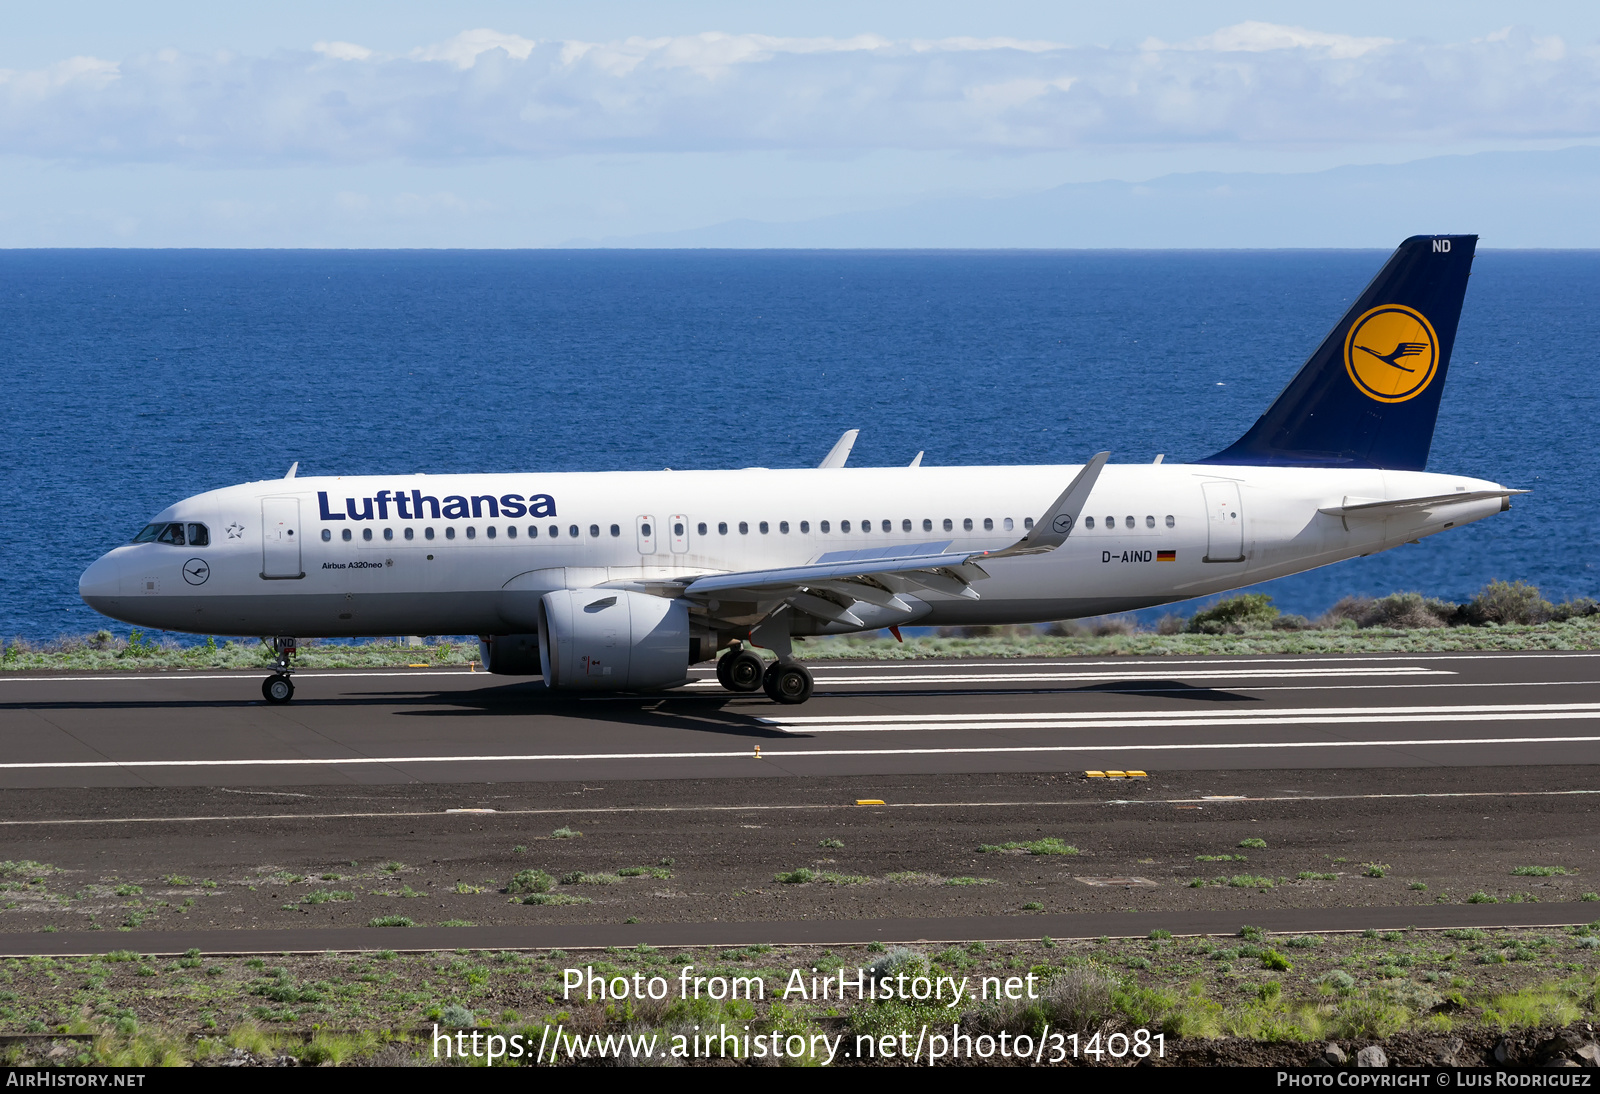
{"type": "Point", "coordinates": [1502, 616]}
{"type": "Point", "coordinates": [131, 1009]}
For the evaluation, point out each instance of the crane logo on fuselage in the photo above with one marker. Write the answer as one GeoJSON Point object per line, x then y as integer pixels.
{"type": "Point", "coordinates": [416, 505]}
{"type": "Point", "coordinates": [1391, 353]}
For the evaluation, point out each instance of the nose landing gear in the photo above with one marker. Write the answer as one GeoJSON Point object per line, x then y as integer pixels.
{"type": "Point", "coordinates": [278, 688]}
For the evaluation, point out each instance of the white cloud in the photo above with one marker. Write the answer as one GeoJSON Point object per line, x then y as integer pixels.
{"type": "Point", "coordinates": [1256, 37]}
{"type": "Point", "coordinates": [487, 93]}
{"type": "Point", "coordinates": [342, 51]}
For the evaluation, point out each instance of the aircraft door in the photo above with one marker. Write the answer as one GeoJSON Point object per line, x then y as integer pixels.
{"type": "Point", "coordinates": [678, 527]}
{"type": "Point", "coordinates": [647, 534]}
{"type": "Point", "coordinates": [1224, 522]}
{"type": "Point", "coordinates": [280, 538]}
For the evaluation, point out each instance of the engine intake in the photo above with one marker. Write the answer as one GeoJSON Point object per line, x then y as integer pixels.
{"type": "Point", "coordinates": [612, 640]}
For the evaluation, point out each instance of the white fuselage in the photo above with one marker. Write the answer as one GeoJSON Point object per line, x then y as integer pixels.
{"type": "Point", "coordinates": [1161, 532]}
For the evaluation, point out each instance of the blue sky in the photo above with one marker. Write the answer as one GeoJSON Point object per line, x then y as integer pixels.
{"type": "Point", "coordinates": [525, 124]}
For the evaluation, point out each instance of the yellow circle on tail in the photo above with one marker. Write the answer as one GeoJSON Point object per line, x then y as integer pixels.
{"type": "Point", "coordinates": [1391, 353]}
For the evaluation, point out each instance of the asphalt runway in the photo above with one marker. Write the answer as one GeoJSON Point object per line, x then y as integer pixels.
{"type": "Point", "coordinates": [873, 718]}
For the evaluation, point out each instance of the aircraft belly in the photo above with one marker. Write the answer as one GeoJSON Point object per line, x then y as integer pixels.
{"type": "Point", "coordinates": [312, 615]}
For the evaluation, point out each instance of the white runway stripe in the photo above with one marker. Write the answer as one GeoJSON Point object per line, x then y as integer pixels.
{"type": "Point", "coordinates": [1087, 677]}
{"type": "Point", "coordinates": [1163, 718]}
{"type": "Point", "coordinates": [795, 754]}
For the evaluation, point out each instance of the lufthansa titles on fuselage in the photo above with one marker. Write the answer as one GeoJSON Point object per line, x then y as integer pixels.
{"type": "Point", "coordinates": [416, 505]}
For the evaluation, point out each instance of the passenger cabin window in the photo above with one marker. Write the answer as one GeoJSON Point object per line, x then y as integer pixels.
{"type": "Point", "coordinates": [450, 532]}
{"type": "Point", "coordinates": [489, 531]}
{"type": "Point", "coordinates": [927, 525]}
{"type": "Point", "coordinates": [1027, 522]}
{"type": "Point", "coordinates": [844, 526]}
{"type": "Point", "coordinates": [763, 527]}
{"type": "Point", "coordinates": [824, 527]}
{"type": "Point", "coordinates": [1127, 522]}
{"type": "Point", "coordinates": [805, 527]}
{"type": "Point", "coordinates": [1008, 524]}
{"type": "Point", "coordinates": [326, 535]}
{"type": "Point", "coordinates": [616, 530]}
{"type": "Point", "coordinates": [988, 524]}
{"type": "Point", "coordinates": [427, 533]}
{"type": "Point", "coordinates": [744, 528]}
{"type": "Point", "coordinates": [701, 527]}
{"type": "Point", "coordinates": [966, 525]}
{"type": "Point", "coordinates": [949, 525]}
{"type": "Point", "coordinates": [1088, 522]}
{"type": "Point", "coordinates": [472, 533]}
{"type": "Point", "coordinates": [783, 527]}
{"type": "Point", "coordinates": [1170, 522]}
{"type": "Point", "coordinates": [344, 534]}
{"type": "Point", "coordinates": [533, 531]}
{"type": "Point", "coordinates": [888, 526]}
{"type": "Point", "coordinates": [594, 531]}
{"type": "Point", "coordinates": [573, 531]}
{"type": "Point", "coordinates": [866, 526]}
{"type": "Point", "coordinates": [366, 535]}
{"type": "Point", "coordinates": [722, 527]}
{"type": "Point", "coordinates": [1149, 522]}
{"type": "Point", "coordinates": [511, 531]}
{"type": "Point", "coordinates": [905, 525]}
{"type": "Point", "coordinates": [555, 531]}
{"type": "Point", "coordinates": [411, 533]}
{"type": "Point", "coordinates": [388, 533]}
{"type": "Point", "coordinates": [1111, 522]}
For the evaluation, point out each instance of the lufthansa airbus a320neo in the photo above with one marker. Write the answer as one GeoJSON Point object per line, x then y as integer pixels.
{"type": "Point", "coordinates": [617, 581]}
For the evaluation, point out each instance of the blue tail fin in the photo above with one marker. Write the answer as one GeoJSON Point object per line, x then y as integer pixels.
{"type": "Point", "coordinates": [1369, 395]}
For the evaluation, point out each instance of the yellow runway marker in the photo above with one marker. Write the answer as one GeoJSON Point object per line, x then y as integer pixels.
{"type": "Point", "coordinates": [868, 801]}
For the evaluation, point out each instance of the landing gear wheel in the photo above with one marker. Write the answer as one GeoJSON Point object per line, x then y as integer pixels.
{"type": "Point", "coordinates": [277, 688]}
{"type": "Point", "coordinates": [787, 684]}
{"type": "Point", "coordinates": [743, 672]}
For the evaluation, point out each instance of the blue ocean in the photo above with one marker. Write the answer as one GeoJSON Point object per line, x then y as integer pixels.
{"type": "Point", "coordinates": [134, 378]}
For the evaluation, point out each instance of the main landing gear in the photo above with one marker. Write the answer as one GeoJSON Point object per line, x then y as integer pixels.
{"type": "Point", "coordinates": [743, 671]}
{"type": "Point", "coordinates": [278, 688]}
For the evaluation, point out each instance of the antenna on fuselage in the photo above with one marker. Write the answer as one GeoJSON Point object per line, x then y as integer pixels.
{"type": "Point", "coordinates": [916, 461]}
{"type": "Point", "coordinates": [293, 467]}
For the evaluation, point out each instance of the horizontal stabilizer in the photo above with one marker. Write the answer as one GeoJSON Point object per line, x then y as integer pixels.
{"type": "Point", "coordinates": [1388, 508]}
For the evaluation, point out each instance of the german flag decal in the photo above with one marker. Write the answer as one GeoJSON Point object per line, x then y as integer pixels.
{"type": "Point", "coordinates": [1166, 556]}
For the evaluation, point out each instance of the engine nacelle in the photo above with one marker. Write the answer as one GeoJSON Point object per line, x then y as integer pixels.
{"type": "Point", "coordinates": [510, 654]}
{"type": "Point", "coordinates": [612, 640]}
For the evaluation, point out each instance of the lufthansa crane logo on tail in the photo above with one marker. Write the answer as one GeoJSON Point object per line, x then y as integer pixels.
{"type": "Point", "coordinates": [1391, 353]}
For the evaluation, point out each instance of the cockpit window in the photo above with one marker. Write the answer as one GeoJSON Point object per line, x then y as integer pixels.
{"type": "Point", "coordinates": [173, 534]}
{"type": "Point", "coordinates": [198, 535]}
{"type": "Point", "coordinates": [148, 533]}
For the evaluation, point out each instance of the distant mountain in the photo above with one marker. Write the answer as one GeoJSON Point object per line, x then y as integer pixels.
{"type": "Point", "coordinates": [1511, 199]}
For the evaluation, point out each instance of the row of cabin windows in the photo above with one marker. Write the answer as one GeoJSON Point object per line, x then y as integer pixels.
{"type": "Point", "coordinates": [552, 531]}
{"type": "Point", "coordinates": [573, 531]}
{"type": "Point", "coordinates": [178, 535]}
{"type": "Point", "coordinates": [826, 527]}
{"type": "Point", "coordinates": [1130, 522]}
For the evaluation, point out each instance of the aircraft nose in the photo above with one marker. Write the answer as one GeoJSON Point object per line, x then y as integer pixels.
{"type": "Point", "coordinates": [103, 578]}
